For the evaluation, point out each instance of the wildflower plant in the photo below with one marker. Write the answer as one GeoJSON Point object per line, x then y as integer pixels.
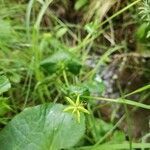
{"type": "Point", "coordinates": [76, 107]}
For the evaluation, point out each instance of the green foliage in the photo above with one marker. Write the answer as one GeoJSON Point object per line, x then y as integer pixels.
{"type": "Point", "coordinates": [100, 128]}
{"type": "Point", "coordinates": [145, 11]}
{"type": "Point", "coordinates": [78, 90]}
{"type": "Point", "coordinates": [61, 60]}
{"type": "Point", "coordinates": [92, 27]}
{"type": "Point", "coordinates": [143, 32]}
{"type": "Point", "coordinates": [95, 87]}
{"type": "Point", "coordinates": [4, 103]}
{"type": "Point", "coordinates": [118, 136]}
{"type": "Point", "coordinates": [52, 50]}
{"type": "Point", "coordinates": [86, 89]}
{"type": "Point", "coordinates": [4, 84]}
{"type": "Point", "coordinates": [61, 32]}
{"type": "Point", "coordinates": [41, 128]}
{"type": "Point", "coordinates": [80, 3]}
{"type": "Point", "coordinates": [4, 106]}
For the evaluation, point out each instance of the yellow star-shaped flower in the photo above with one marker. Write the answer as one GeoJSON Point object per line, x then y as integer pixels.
{"type": "Point", "coordinates": [76, 107]}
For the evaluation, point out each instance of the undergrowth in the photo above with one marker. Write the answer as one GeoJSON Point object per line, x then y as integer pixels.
{"type": "Point", "coordinates": [92, 54]}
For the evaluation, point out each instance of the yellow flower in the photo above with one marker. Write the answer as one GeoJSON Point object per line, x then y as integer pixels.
{"type": "Point", "coordinates": [76, 107]}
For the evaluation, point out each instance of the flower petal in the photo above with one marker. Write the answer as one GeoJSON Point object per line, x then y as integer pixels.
{"type": "Point", "coordinates": [78, 100]}
{"type": "Point", "coordinates": [68, 108]}
{"type": "Point", "coordinates": [81, 108]}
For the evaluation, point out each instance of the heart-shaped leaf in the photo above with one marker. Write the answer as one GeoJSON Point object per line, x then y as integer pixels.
{"type": "Point", "coordinates": [44, 127]}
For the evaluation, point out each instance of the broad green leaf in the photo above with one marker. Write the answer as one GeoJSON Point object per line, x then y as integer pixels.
{"type": "Point", "coordinates": [74, 66]}
{"type": "Point", "coordinates": [44, 127]}
{"type": "Point", "coordinates": [74, 90]}
{"type": "Point", "coordinates": [4, 84]}
{"type": "Point", "coordinates": [61, 60]}
{"type": "Point", "coordinates": [56, 57]}
{"type": "Point", "coordinates": [55, 62]}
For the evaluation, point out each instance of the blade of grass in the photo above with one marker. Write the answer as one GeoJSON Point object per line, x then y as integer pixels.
{"type": "Point", "coordinates": [28, 14]}
{"type": "Point", "coordinates": [128, 119]}
{"type": "Point", "coordinates": [120, 12]}
{"type": "Point", "coordinates": [117, 124]}
{"type": "Point", "coordinates": [120, 146]}
{"type": "Point", "coordinates": [110, 131]}
{"type": "Point", "coordinates": [121, 101]}
{"type": "Point", "coordinates": [138, 90]}
{"type": "Point", "coordinates": [103, 59]}
{"type": "Point", "coordinates": [90, 35]}
{"type": "Point", "coordinates": [41, 13]}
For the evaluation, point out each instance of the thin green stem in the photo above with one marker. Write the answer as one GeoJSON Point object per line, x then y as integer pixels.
{"type": "Point", "coordinates": [90, 36]}
{"type": "Point", "coordinates": [41, 13]}
{"type": "Point", "coordinates": [65, 78]}
{"type": "Point", "coordinates": [121, 146]}
{"type": "Point", "coordinates": [121, 101]}
{"type": "Point", "coordinates": [120, 12]}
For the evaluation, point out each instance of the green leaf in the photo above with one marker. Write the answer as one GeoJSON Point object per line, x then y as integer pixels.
{"type": "Point", "coordinates": [91, 27]}
{"type": "Point", "coordinates": [54, 62]}
{"type": "Point", "coordinates": [4, 84]}
{"type": "Point", "coordinates": [49, 67]}
{"type": "Point", "coordinates": [15, 77]}
{"type": "Point", "coordinates": [61, 60]}
{"type": "Point", "coordinates": [61, 32]}
{"type": "Point", "coordinates": [74, 66]}
{"type": "Point", "coordinates": [78, 90]}
{"type": "Point", "coordinates": [44, 127]}
{"type": "Point", "coordinates": [4, 106]}
{"type": "Point", "coordinates": [86, 89]}
{"type": "Point", "coordinates": [142, 32]}
{"type": "Point", "coordinates": [80, 3]}
{"type": "Point", "coordinates": [95, 87]}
